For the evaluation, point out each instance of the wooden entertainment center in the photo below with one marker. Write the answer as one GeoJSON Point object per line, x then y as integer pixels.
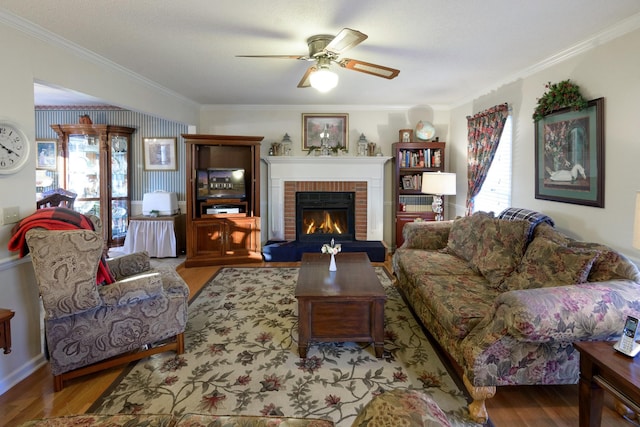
{"type": "Point", "coordinates": [223, 223]}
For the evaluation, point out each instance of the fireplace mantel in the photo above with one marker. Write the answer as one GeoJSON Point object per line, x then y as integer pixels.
{"type": "Point", "coordinates": [282, 169]}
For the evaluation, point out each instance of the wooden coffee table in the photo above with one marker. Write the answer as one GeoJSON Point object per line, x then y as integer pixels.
{"type": "Point", "coordinates": [342, 305]}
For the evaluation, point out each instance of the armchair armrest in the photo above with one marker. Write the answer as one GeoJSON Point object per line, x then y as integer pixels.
{"type": "Point", "coordinates": [129, 265]}
{"type": "Point", "coordinates": [430, 235]}
{"type": "Point", "coordinates": [136, 288]}
{"type": "Point", "coordinates": [588, 311]}
{"type": "Point", "coordinates": [173, 283]}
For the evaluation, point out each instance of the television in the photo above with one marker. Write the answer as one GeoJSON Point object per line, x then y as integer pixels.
{"type": "Point", "coordinates": [223, 183]}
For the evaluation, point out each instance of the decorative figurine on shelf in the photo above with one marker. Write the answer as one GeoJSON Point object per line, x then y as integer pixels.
{"type": "Point", "coordinates": [371, 149]}
{"type": "Point", "coordinates": [286, 145]}
{"type": "Point", "coordinates": [332, 248]}
{"type": "Point", "coordinates": [362, 145]}
{"type": "Point", "coordinates": [324, 141]}
{"type": "Point", "coordinates": [85, 119]}
{"type": "Point", "coordinates": [406, 135]}
{"type": "Point", "coordinates": [276, 149]}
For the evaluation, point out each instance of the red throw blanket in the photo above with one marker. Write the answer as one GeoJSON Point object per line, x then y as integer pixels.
{"type": "Point", "coordinates": [56, 218]}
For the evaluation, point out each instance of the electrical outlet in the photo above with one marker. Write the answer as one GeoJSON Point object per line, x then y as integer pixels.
{"type": "Point", "coordinates": [10, 215]}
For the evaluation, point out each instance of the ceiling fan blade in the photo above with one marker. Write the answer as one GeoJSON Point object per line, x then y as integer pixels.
{"type": "Point", "coordinates": [369, 68]}
{"type": "Point", "coordinates": [304, 82]}
{"type": "Point", "coordinates": [346, 39]}
{"type": "Point", "coordinates": [301, 57]}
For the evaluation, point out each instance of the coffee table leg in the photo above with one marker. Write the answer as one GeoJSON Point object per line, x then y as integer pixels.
{"type": "Point", "coordinates": [304, 328]}
{"type": "Point", "coordinates": [302, 350]}
{"type": "Point", "coordinates": [378, 328]}
{"type": "Point", "coordinates": [379, 350]}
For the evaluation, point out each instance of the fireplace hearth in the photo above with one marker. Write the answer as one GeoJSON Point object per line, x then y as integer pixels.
{"type": "Point", "coordinates": [324, 215]}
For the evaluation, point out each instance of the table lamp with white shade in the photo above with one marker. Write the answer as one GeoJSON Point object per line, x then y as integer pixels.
{"type": "Point", "coordinates": [438, 184]}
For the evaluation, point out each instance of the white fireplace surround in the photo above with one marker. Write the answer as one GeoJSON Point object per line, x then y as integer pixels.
{"type": "Point", "coordinates": [283, 169]}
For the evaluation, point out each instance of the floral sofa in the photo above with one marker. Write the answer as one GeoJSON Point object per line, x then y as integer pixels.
{"type": "Point", "coordinates": [507, 298]}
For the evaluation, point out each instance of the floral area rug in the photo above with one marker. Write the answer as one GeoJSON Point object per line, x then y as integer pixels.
{"type": "Point", "coordinates": [242, 358]}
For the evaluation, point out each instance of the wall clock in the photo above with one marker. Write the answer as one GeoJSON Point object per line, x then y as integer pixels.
{"type": "Point", "coordinates": [14, 148]}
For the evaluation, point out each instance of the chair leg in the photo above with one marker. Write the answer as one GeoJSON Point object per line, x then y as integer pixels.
{"type": "Point", "coordinates": [58, 383]}
{"type": "Point", "coordinates": [180, 343]}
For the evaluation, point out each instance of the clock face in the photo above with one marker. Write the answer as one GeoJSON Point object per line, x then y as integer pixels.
{"type": "Point", "coordinates": [14, 148]}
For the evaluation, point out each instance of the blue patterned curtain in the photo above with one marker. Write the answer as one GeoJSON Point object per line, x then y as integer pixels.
{"type": "Point", "coordinates": [484, 130]}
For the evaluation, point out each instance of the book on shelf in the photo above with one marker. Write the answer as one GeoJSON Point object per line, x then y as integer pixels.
{"type": "Point", "coordinates": [420, 158]}
{"type": "Point", "coordinates": [415, 203]}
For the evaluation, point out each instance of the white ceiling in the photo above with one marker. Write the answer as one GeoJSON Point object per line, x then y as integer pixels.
{"type": "Point", "coordinates": [447, 51]}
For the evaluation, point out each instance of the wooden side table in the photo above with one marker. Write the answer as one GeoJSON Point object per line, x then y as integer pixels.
{"type": "Point", "coordinates": [603, 368]}
{"type": "Point", "coordinates": [5, 329]}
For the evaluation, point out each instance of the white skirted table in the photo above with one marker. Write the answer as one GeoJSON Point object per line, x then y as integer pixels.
{"type": "Point", "coordinates": [161, 236]}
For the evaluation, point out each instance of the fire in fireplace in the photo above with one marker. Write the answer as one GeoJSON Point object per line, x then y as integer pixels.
{"type": "Point", "coordinates": [324, 222]}
{"type": "Point", "coordinates": [321, 216]}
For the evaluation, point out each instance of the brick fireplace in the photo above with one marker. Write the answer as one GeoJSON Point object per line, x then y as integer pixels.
{"type": "Point", "coordinates": [293, 187]}
{"type": "Point", "coordinates": [362, 175]}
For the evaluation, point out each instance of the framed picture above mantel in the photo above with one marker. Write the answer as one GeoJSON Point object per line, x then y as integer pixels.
{"type": "Point", "coordinates": [331, 130]}
{"type": "Point", "coordinates": [569, 156]}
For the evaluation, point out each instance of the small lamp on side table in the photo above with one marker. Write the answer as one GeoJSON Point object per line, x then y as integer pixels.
{"type": "Point", "coordinates": [438, 184]}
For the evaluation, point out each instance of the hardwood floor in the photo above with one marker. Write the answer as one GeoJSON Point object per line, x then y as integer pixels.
{"type": "Point", "coordinates": [522, 406]}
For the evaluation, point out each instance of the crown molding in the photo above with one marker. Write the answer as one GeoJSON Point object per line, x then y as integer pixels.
{"type": "Point", "coordinates": [623, 27]}
{"type": "Point", "coordinates": [47, 36]}
{"type": "Point", "coordinates": [76, 107]}
{"type": "Point", "coordinates": [318, 108]}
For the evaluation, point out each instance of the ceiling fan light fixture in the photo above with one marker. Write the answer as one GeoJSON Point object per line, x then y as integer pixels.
{"type": "Point", "coordinates": [323, 80]}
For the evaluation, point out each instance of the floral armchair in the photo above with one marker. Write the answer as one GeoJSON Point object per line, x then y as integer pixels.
{"type": "Point", "coordinates": [90, 326]}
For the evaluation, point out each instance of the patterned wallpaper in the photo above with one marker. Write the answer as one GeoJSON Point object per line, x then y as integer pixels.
{"type": "Point", "coordinates": [147, 126]}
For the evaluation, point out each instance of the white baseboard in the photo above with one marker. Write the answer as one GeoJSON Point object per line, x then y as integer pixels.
{"type": "Point", "coordinates": [23, 372]}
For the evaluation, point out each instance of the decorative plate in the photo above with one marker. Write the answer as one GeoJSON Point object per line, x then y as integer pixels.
{"type": "Point", "coordinates": [425, 131]}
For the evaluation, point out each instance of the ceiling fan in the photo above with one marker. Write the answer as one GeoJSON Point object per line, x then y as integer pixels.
{"type": "Point", "coordinates": [326, 49]}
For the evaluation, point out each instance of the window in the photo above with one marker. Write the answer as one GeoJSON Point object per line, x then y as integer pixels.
{"type": "Point", "coordinates": [495, 194]}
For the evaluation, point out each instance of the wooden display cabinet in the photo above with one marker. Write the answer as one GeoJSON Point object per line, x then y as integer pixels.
{"type": "Point", "coordinates": [225, 229]}
{"type": "Point", "coordinates": [411, 159]}
{"type": "Point", "coordinates": [94, 163]}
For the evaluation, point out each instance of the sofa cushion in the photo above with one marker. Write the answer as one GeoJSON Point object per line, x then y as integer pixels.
{"type": "Point", "coordinates": [437, 263]}
{"type": "Point", "coordinates": [500, 248]}
{"type": "Point", "coordinates": [456, 303]}
{"type": "Point", "coordinates": [547, 264]}
{"type": "Point", "coordinates": [533, 218]}
{"type": "Point", "coordinates": [465, 234]}
{"type": "Point", "coordinates": [609, 265]}
{"type": "Point", "coordinates": [550, 233]}
{"type": "Point", "coordinates": [418, 236]}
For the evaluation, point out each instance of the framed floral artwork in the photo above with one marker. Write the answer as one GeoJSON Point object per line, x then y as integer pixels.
{"type": "Point", "coordinates": [569, 157]}
{"type": "Point", "coordinates": [330, 129]}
